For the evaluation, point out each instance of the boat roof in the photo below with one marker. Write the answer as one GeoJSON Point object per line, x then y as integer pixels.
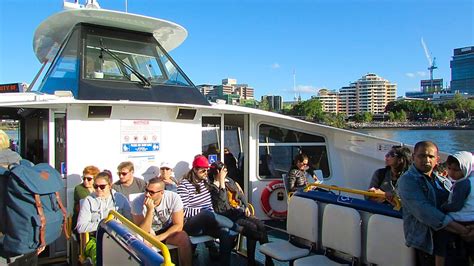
{"type": "Point", "coordinates": [52, 31]}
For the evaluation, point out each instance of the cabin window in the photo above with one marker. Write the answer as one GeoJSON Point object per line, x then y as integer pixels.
{"type": "Point", "coordinates": [211, 132]}
{"type": "Point", "coordinates": [278, 146]}
{"type": "Point", "coordinates": [112, 58]}
{"type": "Point", "coordinates": [64, 71]}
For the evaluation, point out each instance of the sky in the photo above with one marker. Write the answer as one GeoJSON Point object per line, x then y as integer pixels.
{"type": "Point", "coordinates": [278, 47]}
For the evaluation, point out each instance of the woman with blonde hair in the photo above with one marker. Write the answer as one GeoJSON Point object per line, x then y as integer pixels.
{"type": "Point", "coordinates": [7, 156]}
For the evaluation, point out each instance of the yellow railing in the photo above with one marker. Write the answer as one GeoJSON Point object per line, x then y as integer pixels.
{"type": "Point", "coordinates": [164, 249]}
{"type": "Point", "coordinates": [396, 200]}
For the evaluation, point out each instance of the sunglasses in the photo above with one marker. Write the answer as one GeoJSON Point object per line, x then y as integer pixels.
{"type": "Point", "coordinates": [88, 178]}
{"type": "Point", "coordinates": [151, 192]}
{"type": "Point", "coordinates": [165, 168]}
{"type": "Point", "coordinates": [122, 173]}
{"type": "Point", "coordinates": [102, 187]}
{"type": "Point", "coordinates": [391, 154]}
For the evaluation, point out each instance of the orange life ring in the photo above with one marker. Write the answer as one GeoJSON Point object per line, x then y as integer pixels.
{"type": "Point", "coordinates": [265, 199]}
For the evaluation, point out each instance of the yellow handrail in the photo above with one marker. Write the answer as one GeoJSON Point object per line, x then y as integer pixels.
{"type": "Point", "coordinates": [251, 208]}
{"type": "Point", "coordinates": [83, 239]}
{"type": "Point", "coordinates": [396, 199]}
{"type": "Point", "coordinates": [158, 244]}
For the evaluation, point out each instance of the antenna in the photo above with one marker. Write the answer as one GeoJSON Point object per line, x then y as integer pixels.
{"type": "Point", "coordinates": [294, 84]}
{"type": "Point", "coordinates": [431, 62]}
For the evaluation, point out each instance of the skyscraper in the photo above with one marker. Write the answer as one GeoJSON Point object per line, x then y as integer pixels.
{"type": "Point", "coordinates": [462, 70]}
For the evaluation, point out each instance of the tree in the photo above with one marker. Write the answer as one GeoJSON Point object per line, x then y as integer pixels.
{"type": "Point", "coordinates": [391, 116]}
{"type": "Point", "coordinates": [264, 105]}
{"type": "Point", "coordinates": [335, 120]}
{"type": "Point", "coordinates": [367, 117]}
{"type": "Point", "coordinates": [311, 109]}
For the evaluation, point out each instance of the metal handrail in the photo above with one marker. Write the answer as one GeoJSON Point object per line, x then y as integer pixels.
{"type": "Point", "coordinates": [158, 244]}
{"type": "Point", "coordinates": [396, 200]}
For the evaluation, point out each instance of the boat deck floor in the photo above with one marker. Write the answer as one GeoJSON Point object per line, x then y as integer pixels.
{"type": "Point", "coordinates": [275, 230]}
{"type": "Point", "coordinates": [201, 257]}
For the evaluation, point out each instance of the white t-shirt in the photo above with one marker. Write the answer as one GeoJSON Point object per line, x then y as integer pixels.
{"type": "Point", "coordinates": [170, 203]}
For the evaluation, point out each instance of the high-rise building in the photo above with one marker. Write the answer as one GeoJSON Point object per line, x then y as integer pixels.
{"type": "Point", "coordinates": [462, 70]}
{"type": "Point", "coordinates": [329, 100]}
{"type": "Point", "coordinates": [275, 102]}
{"type": "Point", "coordinates": [370, 93]}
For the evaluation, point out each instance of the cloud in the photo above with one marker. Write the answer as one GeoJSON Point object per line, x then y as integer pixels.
{"type": "Point", "coordinates": [303, 89]}
{"type": "Point", "coordinates": [422, 73]}
{"type": "Point", "coordinates": [275, 65]}
{"type": "Point", "coordinates": [418, 74]}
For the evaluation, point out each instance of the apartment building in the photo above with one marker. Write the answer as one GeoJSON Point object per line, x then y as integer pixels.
{"type": "Point", "coordinates": [370, 93]}
{"type": "Point", "coordinates": [229, 89]}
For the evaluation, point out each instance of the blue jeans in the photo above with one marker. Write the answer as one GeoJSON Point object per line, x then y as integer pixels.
{"type": "Point", "coordinates": [217, 226]}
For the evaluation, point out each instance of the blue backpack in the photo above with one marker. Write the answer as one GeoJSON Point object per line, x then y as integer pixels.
{"type": "Point", "coordinates": [31, 212]}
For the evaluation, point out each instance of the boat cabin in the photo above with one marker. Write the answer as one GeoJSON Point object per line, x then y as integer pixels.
{"type": "Point", "coordinates": [111, 93]}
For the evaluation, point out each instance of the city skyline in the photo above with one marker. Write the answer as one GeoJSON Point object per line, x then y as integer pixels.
{"type": "Point", "coordinates": [327, 44]}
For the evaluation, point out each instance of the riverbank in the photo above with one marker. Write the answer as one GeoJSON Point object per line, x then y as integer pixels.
{"type": "Point", "coordinates": [410, 125]}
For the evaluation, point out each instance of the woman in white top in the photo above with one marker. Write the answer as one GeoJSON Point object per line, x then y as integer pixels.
{"type": "Point", "coordinates": [97, 205]}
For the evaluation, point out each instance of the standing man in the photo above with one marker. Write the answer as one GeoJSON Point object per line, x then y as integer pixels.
{"type": "Point", "coordinates": [127, 183]}
{"type": "Point", "coordinates": [421, 196]}
{"type": "Point", "coordinates": [160, 213]}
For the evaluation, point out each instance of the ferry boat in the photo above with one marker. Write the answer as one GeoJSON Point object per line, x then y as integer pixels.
{"type": "Point", "coordinates": [111, 92]}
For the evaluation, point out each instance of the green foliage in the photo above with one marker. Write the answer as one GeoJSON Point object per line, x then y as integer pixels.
{"type": "Point", "coordinates": [367, 117]}
{"type": "Point", "coordinates": [311, 109]}
{"type": "Point", "coordinates": [249, 103]}
{"type": "Point", "coordinates": [264, 105]}
{"type": "Point", "coordinates": [415, 110]}
{"type": "Point", "coordinates": [334, 120]}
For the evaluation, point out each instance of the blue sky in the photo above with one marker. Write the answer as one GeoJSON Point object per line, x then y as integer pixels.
{"type": "Point", "coordinates": [327, 43]}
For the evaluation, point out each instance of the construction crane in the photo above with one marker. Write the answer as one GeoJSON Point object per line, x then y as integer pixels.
{"type": "Point", "coordinates": [431, 62]}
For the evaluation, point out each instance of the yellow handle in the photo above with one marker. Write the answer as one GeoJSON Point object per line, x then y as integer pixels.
{"type": "Point", "coordinates": [396, 199]}
{"type": "Point", "coordinates": [145, 235]}
{"type": "Point", "coordinates": [251, 208]}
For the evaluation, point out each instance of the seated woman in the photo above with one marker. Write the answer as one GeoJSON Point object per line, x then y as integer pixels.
{"type": "Point", "coordinates": [83, 190]}
{"type": "Point", "coordinates": [97, 205]}
{"type": "Point", "coordinates": [297, 174]}
{"type": "Point", "coordinates": [237, 210]}
{"type": "Point", "coordinates": [384, 180]}
{"type": "Point", "coordinates": [198, 212]}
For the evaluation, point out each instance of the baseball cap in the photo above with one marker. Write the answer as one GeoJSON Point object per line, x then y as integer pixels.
{"type": "Point", "coordinates": [200, 162]}
{"type": "Point", "coordinates": [166, 164]}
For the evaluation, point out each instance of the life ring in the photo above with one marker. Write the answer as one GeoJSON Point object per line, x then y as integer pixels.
{"type": "Point", "coordinates": [274, 186]}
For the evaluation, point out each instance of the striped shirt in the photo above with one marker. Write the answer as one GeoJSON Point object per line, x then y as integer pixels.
{"type": "Point", "coordinates": [193, 203]}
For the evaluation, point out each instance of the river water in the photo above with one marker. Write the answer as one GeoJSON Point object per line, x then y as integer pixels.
{"type": "Point", "coordinates": [447, 140]}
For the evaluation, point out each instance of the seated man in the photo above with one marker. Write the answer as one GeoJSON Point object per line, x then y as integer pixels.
{"type": "Point", "coordinates": [160, 212]}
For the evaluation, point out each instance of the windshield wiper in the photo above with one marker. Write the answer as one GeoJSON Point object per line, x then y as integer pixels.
{"type": "Point", "coordinates": [144, 81]}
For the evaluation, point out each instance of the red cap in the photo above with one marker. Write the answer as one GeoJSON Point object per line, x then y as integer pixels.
{"type": "Point", "coordinates": [200, 162]}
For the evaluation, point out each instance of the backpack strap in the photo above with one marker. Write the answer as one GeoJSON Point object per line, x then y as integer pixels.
{"type": "Point", "coordinates": [39, 208]}
{"type": "Point", "coordinates": [63, 210]}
